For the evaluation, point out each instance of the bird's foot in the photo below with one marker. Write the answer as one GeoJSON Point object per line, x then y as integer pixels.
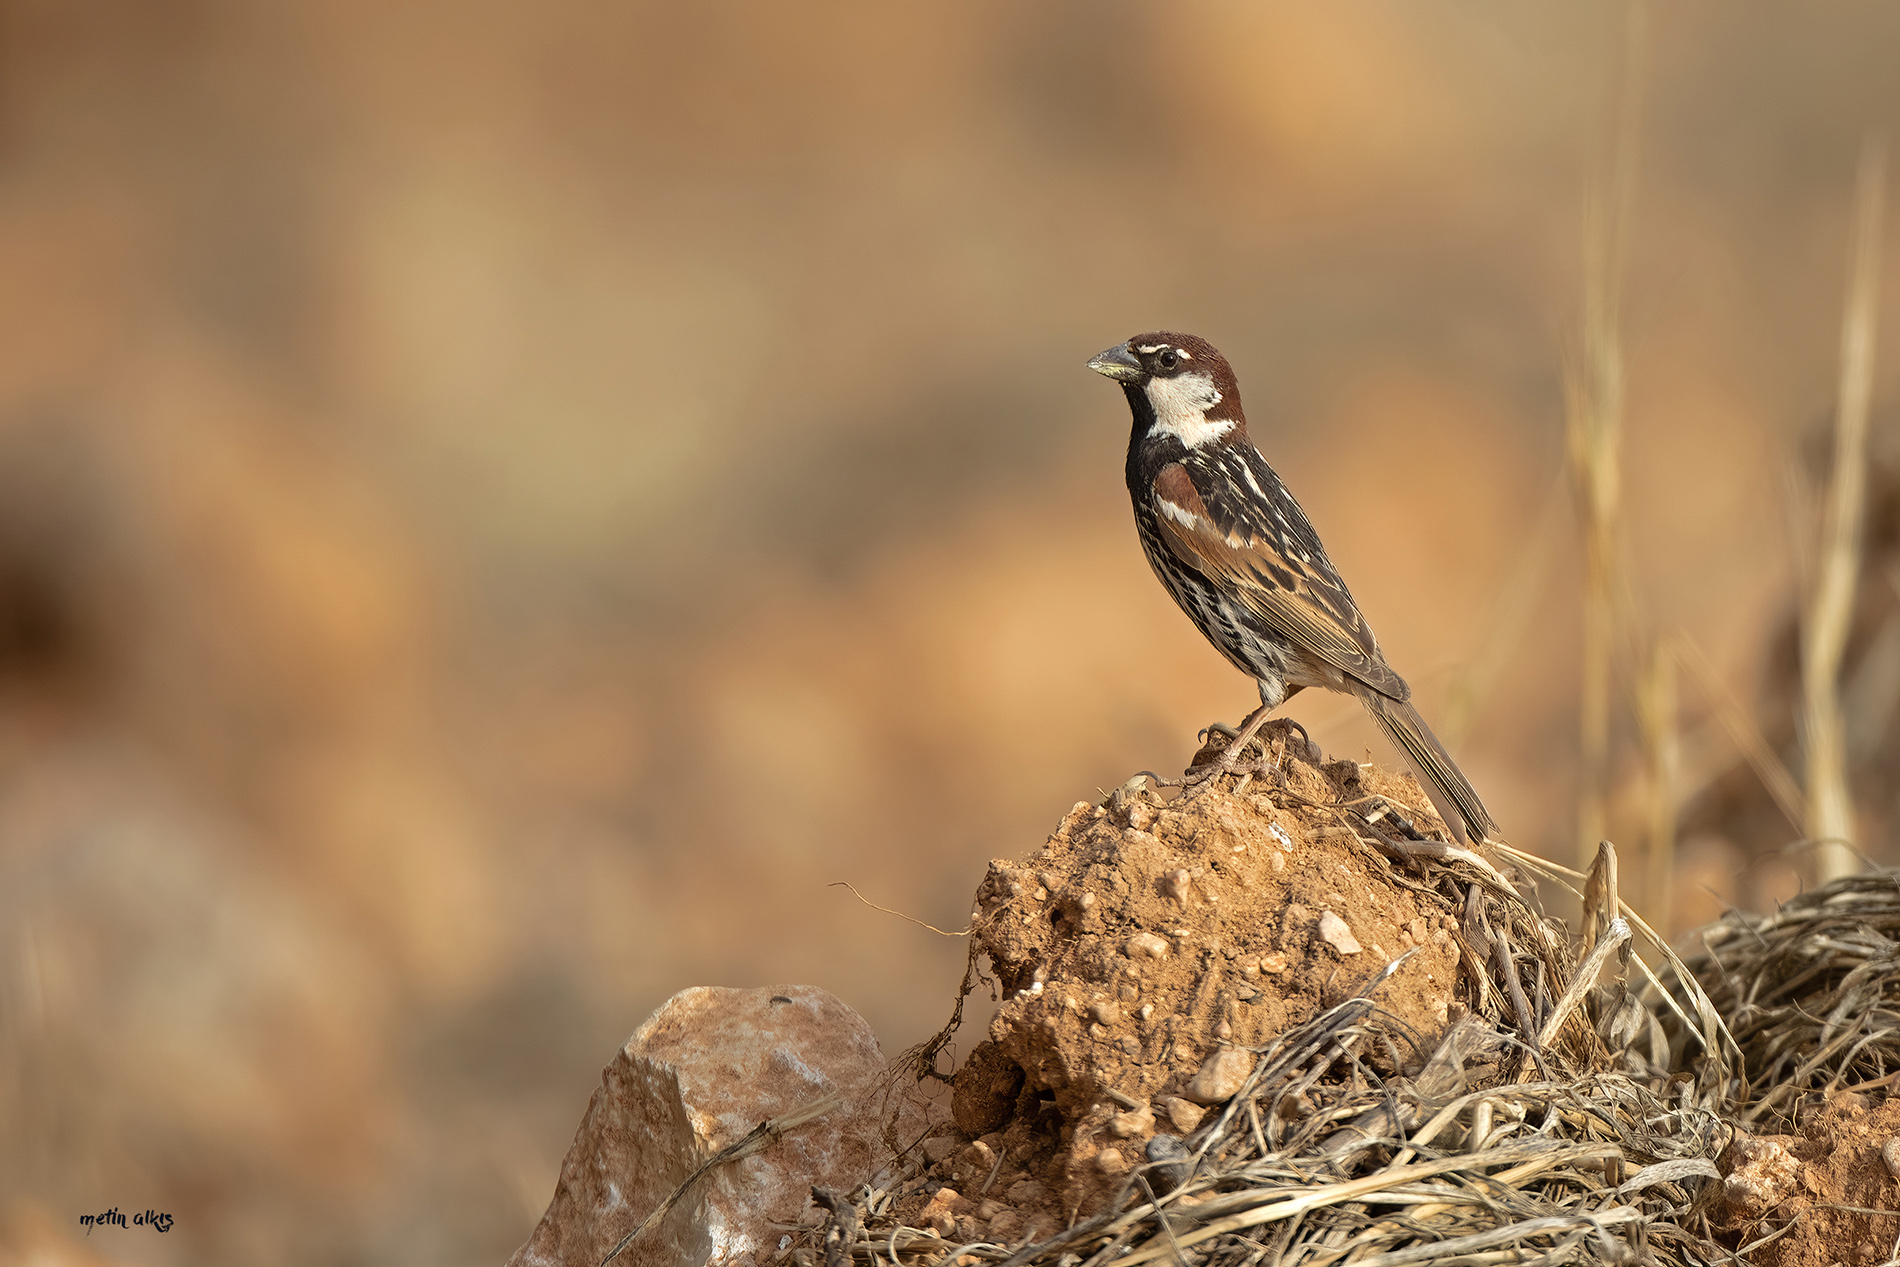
{"type": "Point", "coordinates": [1198, 779]}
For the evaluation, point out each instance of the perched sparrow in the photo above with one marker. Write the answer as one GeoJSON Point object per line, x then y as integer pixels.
{"type": "Point", "coordinates": [1237, 553]}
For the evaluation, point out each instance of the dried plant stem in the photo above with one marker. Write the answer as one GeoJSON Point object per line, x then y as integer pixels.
{"type": "Point", "coordinates": [1830, 612]}
{"type": "Point", "coordinates": [1595, 426]}
{"type": "Point", "coordinates": [1656, 708]}
{"type": "Point", "coordinates": [1510, 616]}
{"type": "Point", "coordinates": [1744, 733]}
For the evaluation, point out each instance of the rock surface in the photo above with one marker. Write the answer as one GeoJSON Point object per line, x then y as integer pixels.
{"type": "Point", "coordinates": [701, 1072]}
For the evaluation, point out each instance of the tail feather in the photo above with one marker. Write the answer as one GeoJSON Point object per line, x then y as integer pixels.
{"type": "Point", "coordinates": [1452, 794]}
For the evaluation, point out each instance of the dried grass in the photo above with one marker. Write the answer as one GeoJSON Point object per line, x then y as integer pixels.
{"type": "Point", "coordinates": [1544, 1128]}
{"type": "Point", "coordinates": [1812, 993]}
{"type": "Point", "coordinates": [1830, 610]}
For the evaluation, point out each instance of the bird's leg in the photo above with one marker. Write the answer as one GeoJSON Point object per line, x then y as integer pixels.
{"type": "Point", "coordinates": [1230, 755]}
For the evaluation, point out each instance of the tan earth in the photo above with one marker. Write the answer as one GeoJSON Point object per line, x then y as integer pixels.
{"type": "Point", "coordinates": [1835, 1187]}
{"type": "Point", "coordinates": [1145, 949]}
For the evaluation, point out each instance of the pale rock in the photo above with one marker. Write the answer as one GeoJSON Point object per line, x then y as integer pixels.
{"type": "Point", "coordinates": [1220, 1076]}
{"type": "Point", "coordinates": [1137, 1122]}
{"type": "Point", "coordinates": [1335, 932]}
{"type": "Point", "coordinates": [941, 1213]}
{"type": "Point", "coordinates": [1147, 945]}
{"type": "Point", "coordinates": [1185, 1115]}
{"type": "Point", "coordinates": [1763, 1175]}
{"type": "Point", "coordinates": [698, 1075]}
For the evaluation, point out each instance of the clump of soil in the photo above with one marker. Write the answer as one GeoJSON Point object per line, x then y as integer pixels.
{"type": "Point", "coordinates": [1146, 946]}
{"type": "Point", "coordinates": [1834, 1183]}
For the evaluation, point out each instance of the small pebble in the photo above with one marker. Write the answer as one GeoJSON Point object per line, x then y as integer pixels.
{"type": "Point", "coordinates": [1335, 932]}
{"type": "Point", "coordinates": [1274, 963]}
{"type": "Point", "coordinates": [1111, 1162]}
{"type": "Point", "coordinates": [1890, 1153]}
{"type": "Point", "coordinates": [1184, 1115]}
{"type": "Point", "coordinates": [1106, 1012]}
{"type": "Point", "coordinates": [1220, 1076]}
{"type": "Point", "coordinates": [1170, 1158]}
{"type": "Point", "coordinates": [1176, 884]}
{"type": "Point", "coordinates": [1132, 1124]}
{"type": "Point", "coordinates": [1147, 1013]}
{"type": "Point", "coordinates": [1147, 945]}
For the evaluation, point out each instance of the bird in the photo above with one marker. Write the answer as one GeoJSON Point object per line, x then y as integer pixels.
{"type": "Point", "coordinates": [1240, 557]}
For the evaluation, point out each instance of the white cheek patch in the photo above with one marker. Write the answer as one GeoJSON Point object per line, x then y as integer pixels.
{"type": "Point", "coordinates": [1181, 404]}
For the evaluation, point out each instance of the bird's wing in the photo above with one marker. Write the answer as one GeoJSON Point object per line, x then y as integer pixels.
{"type": "Point", "coordinates": [1226, 515]}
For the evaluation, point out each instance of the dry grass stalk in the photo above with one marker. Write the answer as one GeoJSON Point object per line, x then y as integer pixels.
{"type": "Point", "coordinates": [1812, 992]}
{"type": "Point", "coordinates": [1744, 733]}
{"type": "Point", "coordinates": [1510, 616]}
{"type": "Point", "coordinates": [1594, 428]}
{"type": "Point", "coordinates": [1662, 750]}
{"type": "Point", "coordinates": [1452, 1165]}
{"type": "Point", "coordinates": [1831, 609]}
{"type": "Point", "coordinates": [1589, 1153]}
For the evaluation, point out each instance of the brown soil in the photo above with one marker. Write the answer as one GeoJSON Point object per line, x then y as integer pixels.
{"type": "Point", "coordinates": [1143, 940]}
{"type": "Point", "coordinates": [1830, 1186]}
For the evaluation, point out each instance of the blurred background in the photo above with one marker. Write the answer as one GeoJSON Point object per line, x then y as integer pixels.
{"type": "Point", "coordinates": [501, 505]}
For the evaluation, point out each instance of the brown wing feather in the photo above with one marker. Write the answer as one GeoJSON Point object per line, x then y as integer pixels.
{"type": "Point", "coordinates": [1305, 603]}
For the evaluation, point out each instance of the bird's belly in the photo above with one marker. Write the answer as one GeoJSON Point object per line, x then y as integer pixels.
{"type": "Point", "coordinates": [1235, 631]}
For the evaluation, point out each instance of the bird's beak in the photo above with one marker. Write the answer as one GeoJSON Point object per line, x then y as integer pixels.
{"type": "Point", "coordinates": [1118, 363]}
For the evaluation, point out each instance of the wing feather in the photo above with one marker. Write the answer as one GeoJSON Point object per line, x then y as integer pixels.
{"type": "Point", "coordinates": [1256, 544]}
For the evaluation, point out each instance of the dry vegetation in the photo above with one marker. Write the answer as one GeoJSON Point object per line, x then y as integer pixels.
{"type": "Point", "coordinates": [1566, 1111]}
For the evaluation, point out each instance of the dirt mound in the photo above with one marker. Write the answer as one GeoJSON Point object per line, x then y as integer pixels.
{"type": "Point", "coordinates": [1147, 946]}
{"type": "Point", "coordinates": [1819, 1195]}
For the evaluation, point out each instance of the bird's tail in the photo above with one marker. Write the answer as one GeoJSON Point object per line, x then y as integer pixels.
{"type": "Point", "coordinates": [1451, 792]}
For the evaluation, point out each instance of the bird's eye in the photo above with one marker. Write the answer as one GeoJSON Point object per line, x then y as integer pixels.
{"type": "Point", "coordinates": [1167, 360]}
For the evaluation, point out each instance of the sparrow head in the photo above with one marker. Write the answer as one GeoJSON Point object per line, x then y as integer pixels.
{"type": "Point", "coordinates": [1183, 382]}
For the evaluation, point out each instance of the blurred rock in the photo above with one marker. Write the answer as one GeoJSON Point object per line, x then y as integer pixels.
{"type": "Point", "coordinates": [702, 1071]}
